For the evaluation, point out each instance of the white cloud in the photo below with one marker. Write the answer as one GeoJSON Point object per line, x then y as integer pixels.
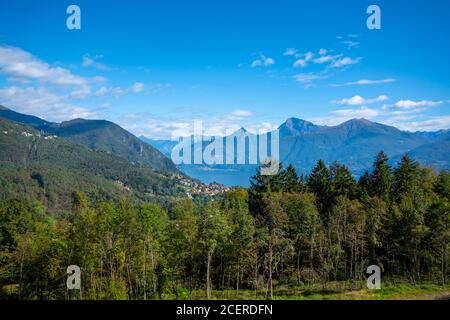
{"type": "Point", "coordinates": [308, 56]}
{"type": "Point", "coordinates": [363, 112]}
{"type": "Point", "coordinates": [326, 59]}
{"type": "Point", "coordinates": [118, 92]}
{"type": "Point", "coordinates": [137, 87]}
{"type": "Point", "coordinates": [300, 63]}
{"type": "Point", "coordinates": [428, 124]}
{"type": "Point", "coordinates": [306, 78]}
{"type": "Point", "coordinates": [408, 104]}
{"type": "Point", "coordinates": [323, 52]}
{"type": "Point", "coordinates": [89, 61]}
{"type": "Point", "coordinates": [403, 112]}
{"type": "Point", "coordinates": [263, 61]}
{"type": "Point", "coordinates": [345, 61]}
{"type": "Point", "coordinates": [19, 64]}
{"type": "Point", "coordinates": [179, 124]}
{"type": "Point", "coordinates": [351, 44]}
{"type": "Point", "coordinates": [290, 52]}
{"type": "Point", "coordinates": [305, 58]}
{"type": "Point", "coordinates": [364, 82]}
{"type": "Point", "coordinates": [358, 100]}
{"type": "Point", "coordinates": [41, 102]}
{"type": "Point", "coordinates": [242, 113]}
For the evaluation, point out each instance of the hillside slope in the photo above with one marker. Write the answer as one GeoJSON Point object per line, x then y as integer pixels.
{"type": "Point", "coordinates": [50, 168]}
{"type": "Point", "coordinates": [101, 135]}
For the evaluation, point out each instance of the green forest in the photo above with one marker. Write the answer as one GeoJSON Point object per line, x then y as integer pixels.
{"type": "Point", "coordinates": [284, 235]}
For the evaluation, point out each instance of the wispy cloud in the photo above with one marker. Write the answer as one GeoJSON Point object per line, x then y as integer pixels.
{"type": "Point", "coordinates": [408, 104]}
{"type": "Point", "coordinates": [405, 114]}
{"type": "Point", "coordinates": [345, 61]}
{"type": "Point", "coordinates": [305, 58]}
{"type": "Point", "coordinates": [43, 103]}
{"type": "Point", "coordinates": [175, 125]}
{"type": "Point", "coordinates": [306, 78]}
{"type": "Point", "coordinates": [89, 61]}
{"type": "Point", "coordinates": [19, 64]}
{"type": "Point", "coordinates": [327, 58]}
{"type": "Point", "coordinates": [349, 41]}
{"type": "Point", "coordinates": [262, 61]}
{"type": "Point", "coordinates": [351, 44]}
{"type": "Point", "coordinates": [364, 82]}
{"type": "Point", "coordinates": [241, 113]}
{"type": "Point", "coordinates": [432, 123]}
{"type": "Point", "coordinates": [358, 100]}
{"type": "Point", "coordinates": [290, 52]}
{"type": "Point", "coordinates": [363, 112]}
{"type": "Point", "coordinates": [118, 91]}
{"type": "Point", "coordinates": [53, 92]}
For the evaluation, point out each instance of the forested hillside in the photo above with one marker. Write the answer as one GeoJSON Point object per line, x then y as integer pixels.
{"type": "Point", "coordinates": [282, 235]}
{"type": "Point", "coordinates": [48, 168]}
{"type": "Point", "coordinates": [100, 135]}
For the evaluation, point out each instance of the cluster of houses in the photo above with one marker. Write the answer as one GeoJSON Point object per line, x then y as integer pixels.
{"type": "Point", "coordinates": [197, 188]}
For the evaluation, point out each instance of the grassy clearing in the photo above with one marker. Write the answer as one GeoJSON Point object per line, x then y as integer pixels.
{"type": "Point", "coordinates": [338, 291]}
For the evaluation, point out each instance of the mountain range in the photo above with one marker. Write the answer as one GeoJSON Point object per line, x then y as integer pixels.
{"type": "Point", "coordinates": [302, 143]}
{"type": "Point", "coordinates": [353, 143]}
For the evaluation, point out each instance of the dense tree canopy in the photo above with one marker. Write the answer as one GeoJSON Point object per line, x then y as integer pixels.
{"type": "Point", "coordinates": [285, 230]}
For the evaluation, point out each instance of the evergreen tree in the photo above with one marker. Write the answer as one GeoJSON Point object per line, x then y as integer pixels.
{"type": "Point", "coordinates": [319, 182]}
{"type": "Point", "coordinates": [381, 179]}
{"type": "Point", "coordinates": [406, 177]}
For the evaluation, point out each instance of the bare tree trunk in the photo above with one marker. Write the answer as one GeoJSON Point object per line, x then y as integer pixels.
{"type": "Point", "coordinates": [443, 265]}
{"type": "Point", "coordinates": [152, 258]}
{"type": "Point", "coordinates": [21, 273]}
{"type": "Point", "coordinates": [238, 276]}
{"type": "Point", "coordinates": [145, 274]}
{"type": "Point", "coordinates": [270, 269]}
{"type": "Point", "coordinates": [298, 263]}
{"type": "Point", "coordinates": [208, 275]}
{"type": "Point", "coordinates": [256, 276]}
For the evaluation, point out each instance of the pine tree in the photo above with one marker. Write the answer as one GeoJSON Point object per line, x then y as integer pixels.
{"type": "Point", "coordinates": [406, 177]}
{"type": "Point", "coordinates": [342, 181]}
{"type": "Point", "coordinates": [319, 182]}
{"type": "Point", "coordinates": [381, 179]}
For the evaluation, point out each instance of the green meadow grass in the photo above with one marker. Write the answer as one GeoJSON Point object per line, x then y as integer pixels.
{"type": "Point", "coordinates": [334, 291]}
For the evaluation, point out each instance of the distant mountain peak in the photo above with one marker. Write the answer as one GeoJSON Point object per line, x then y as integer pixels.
{"type": "Point", "coordinates": [241, 131]}
{"type": "Point", "coordinates": [3, 107]}
{"type": "Point", "coordinates": [295, 127]}
{"type": "Point", "coordinates": [359, 121]}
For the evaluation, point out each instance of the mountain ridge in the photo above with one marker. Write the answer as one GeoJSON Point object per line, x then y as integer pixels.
{"type": "Point", "coordinates": [98, 134]}
{"type": "Point", "coordinates": [354, 143]}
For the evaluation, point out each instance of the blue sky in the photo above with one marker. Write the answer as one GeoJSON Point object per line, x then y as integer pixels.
{"type": "Point", "coordinates": [156, 66]}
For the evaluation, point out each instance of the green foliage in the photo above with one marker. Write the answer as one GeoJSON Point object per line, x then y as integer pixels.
{"type": "Point", "coordinates": [275, 237]}
{"type": "Point", "coordinates": [38, 166]}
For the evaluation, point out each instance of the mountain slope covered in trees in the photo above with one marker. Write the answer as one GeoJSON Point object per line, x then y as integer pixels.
{"type": "Point", "coordinates": [98, 134]}
{"type": "Point", "coordinates": [49, 168]}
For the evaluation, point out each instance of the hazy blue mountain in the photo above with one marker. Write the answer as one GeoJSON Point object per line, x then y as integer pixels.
{"type": "Point", "coordinates": [164, 146]}
{"type": "Point", "coordinates": [294, 127]}
{"type": "Point", "coordinates": [101, 135]}
{"type": "Point", "coordinates": [435, 154]}
{"type": "Point", "coordinates": [354, 143]}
